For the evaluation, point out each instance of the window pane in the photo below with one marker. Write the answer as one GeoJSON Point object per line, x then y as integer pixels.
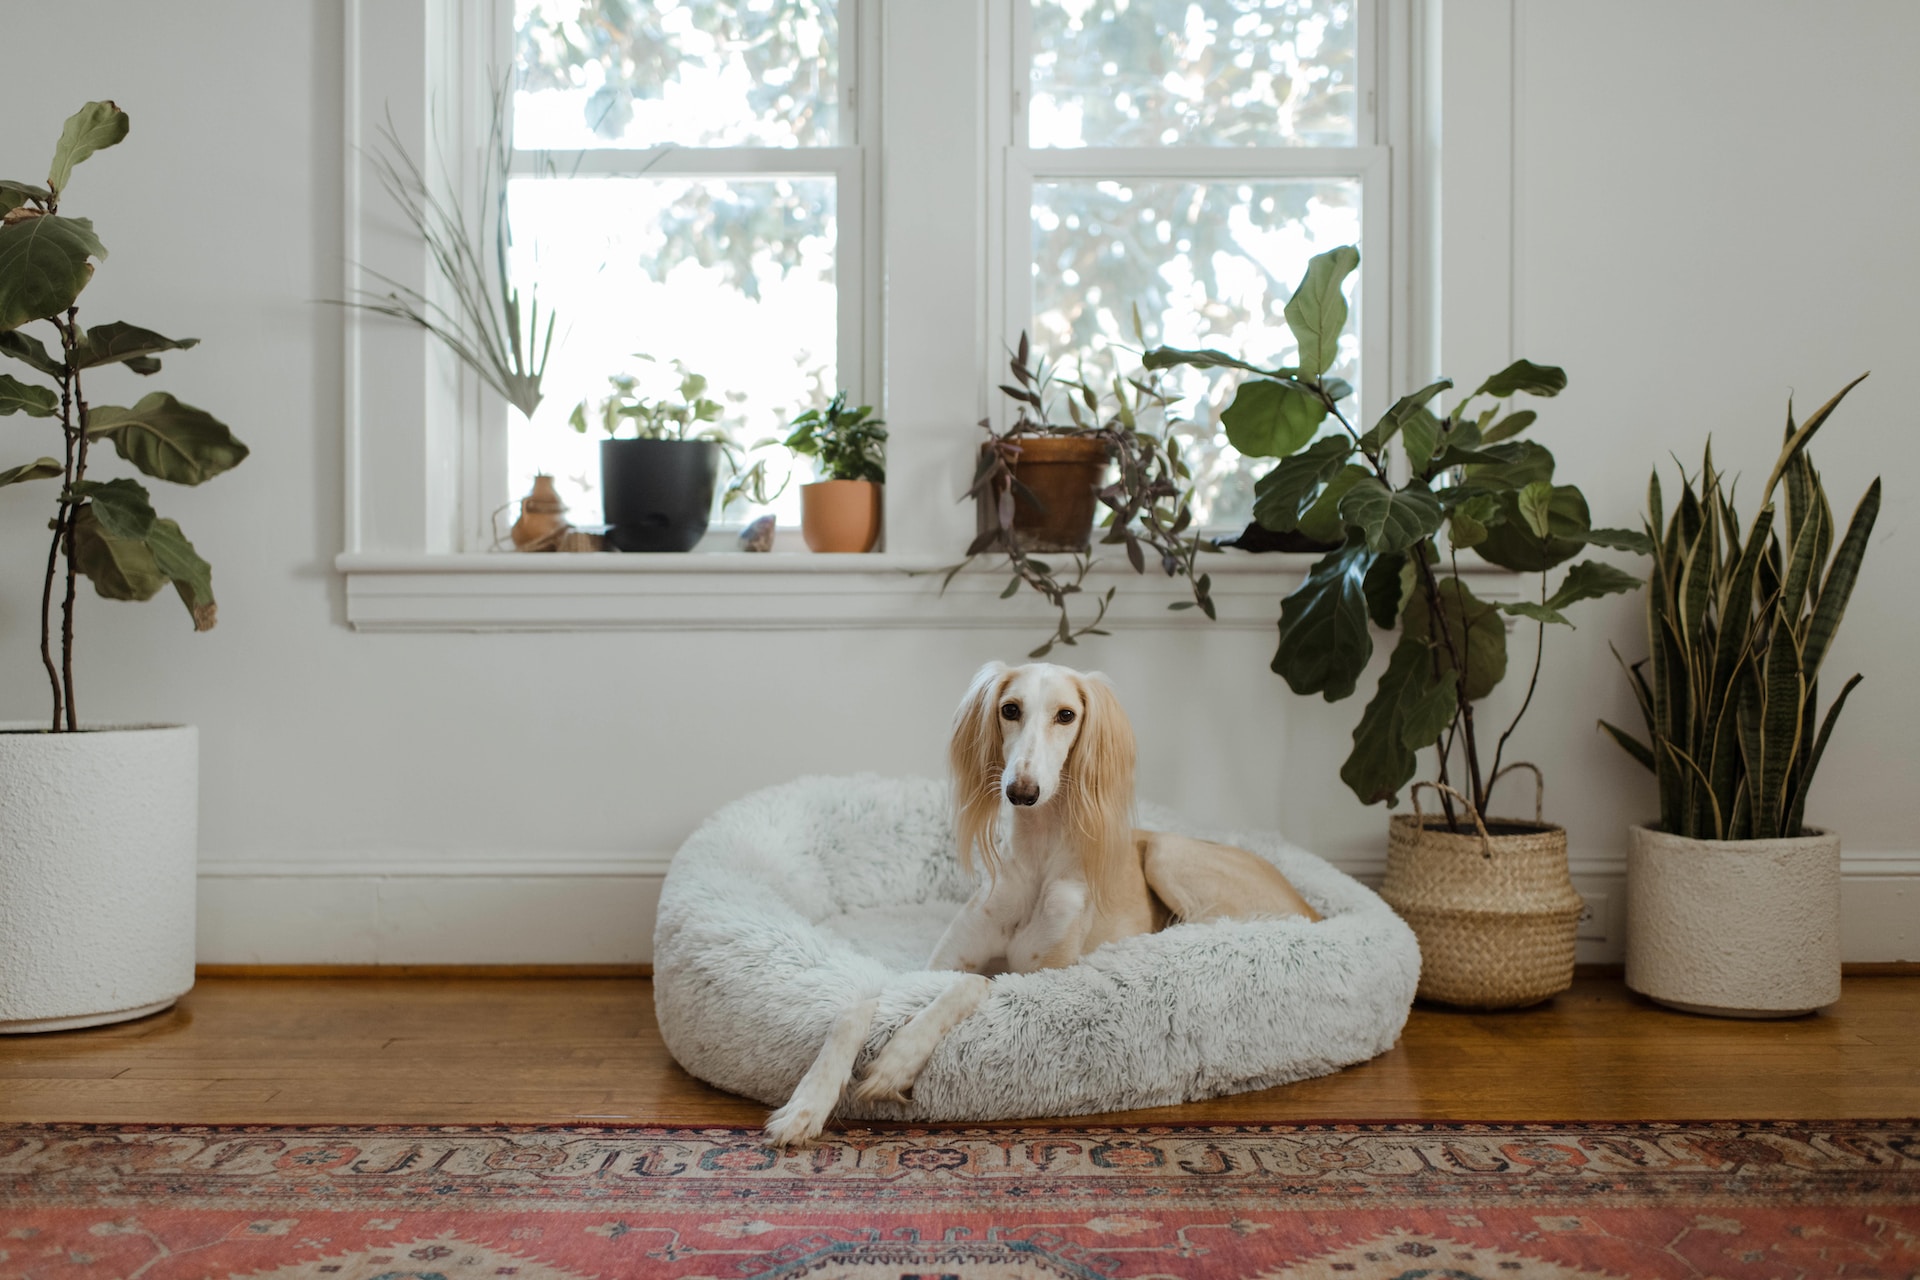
{"type": "Point", "coordinates": [1136, 73]}
{"type": "Point", "coordinates": [1210, 264]}
{"type": "Point", "coordinates": [698, 73]}
{"type": "Point", "coordinates": [733, 278]}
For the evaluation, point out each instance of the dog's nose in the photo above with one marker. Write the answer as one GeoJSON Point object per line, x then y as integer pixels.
{"type": "Point", "coordinates": [1023, 793]}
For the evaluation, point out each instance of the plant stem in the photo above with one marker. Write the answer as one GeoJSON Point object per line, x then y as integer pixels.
{"type": "Point", "coordinates": [53, 551]}
{"type": "Point", "coordinates": [1539, 650]}
{"type": "Point", "coordinates": [77, 444]}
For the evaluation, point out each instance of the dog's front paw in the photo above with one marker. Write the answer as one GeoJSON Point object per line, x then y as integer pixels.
{"type": "Point", "coordinates": [882, 1085]}
{"type": "Point", "coordinates": [795, 1125]}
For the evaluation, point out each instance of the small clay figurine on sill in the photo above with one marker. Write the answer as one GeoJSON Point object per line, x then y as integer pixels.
{"type": "Point", "coordinates": [543, 518]}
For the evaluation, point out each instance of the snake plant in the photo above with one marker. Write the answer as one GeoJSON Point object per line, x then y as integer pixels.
{"type": "Point", "coordinates": [1737, 629]}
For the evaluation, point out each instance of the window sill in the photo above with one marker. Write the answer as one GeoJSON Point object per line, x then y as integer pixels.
{"type": "Point", "coordinates": [781, 591]}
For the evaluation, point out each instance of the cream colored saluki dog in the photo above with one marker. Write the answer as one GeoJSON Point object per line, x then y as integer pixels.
{"type": "Point", "coordinates": [1042, 760]}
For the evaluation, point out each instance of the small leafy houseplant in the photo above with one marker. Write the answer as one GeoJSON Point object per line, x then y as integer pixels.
{"type": "Point", "coordinates": [104, 530]}
{"type": "Point", "coordinates": [661, 461]}
{"type": "Point", "coordinates": [1040, 484]}
{"type": "Point", "coordinates": [1492, 903]}
{"type": "Point", "coordinates": [1733, 902]}
{"type": "Point", "coordinates": [841, 510]}
{"type": "Point", "coordinates": [101, 820]}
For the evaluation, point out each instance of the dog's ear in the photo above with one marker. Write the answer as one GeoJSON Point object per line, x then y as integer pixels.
{"type": "Point", "coordinates": [1101, 766]}
{"type": "Point", "coordinates": [974, 759]}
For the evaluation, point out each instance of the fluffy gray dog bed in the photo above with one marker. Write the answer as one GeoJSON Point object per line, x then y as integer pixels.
{"type": "Point", "coordinates": [792, 903]}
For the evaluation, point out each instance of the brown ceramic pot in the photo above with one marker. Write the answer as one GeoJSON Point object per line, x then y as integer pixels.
{"type": "Point", "coordinates": [543, 518]}
{"type": "Point", "coordinates": [840, 515]}
{"type": "Point", "coordinates": [1064, 473]}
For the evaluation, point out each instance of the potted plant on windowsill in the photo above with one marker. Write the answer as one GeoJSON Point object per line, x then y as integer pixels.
{"type": "Point", "coordinates": [98, 823]}
{"type": "Point", "coordinates": [1041, 484]}
{"type": "Point", "coordinates": [1490, 899]}
{"type": "Point", "coordinates": [657, 480]}
{"type": "Point", "coordinates": [1733, 903]}
{"type": "Point", "coordinates": [841, 510]}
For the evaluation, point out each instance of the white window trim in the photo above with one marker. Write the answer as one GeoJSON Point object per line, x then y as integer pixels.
{"type": "Point", "coordinates": [414, 424]}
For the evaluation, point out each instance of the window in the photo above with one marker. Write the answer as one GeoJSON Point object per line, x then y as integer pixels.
{"type": "Point", "coordinates": [1186, 157]}
{"type": "Point", "coordinates": [688, 196]}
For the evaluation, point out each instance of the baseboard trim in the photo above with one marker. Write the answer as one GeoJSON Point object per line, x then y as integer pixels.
{"type": "Point", "coordinates": [423, 971]}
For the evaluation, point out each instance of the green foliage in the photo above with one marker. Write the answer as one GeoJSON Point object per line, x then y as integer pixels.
{"type": "Point", "coordinates": [104, 530]}
{"type": "Point", "coordinates": [1465, 475]}
{"type": "Point", "coordinates": [1738, 626]}
{"type": "Point", "coordinates": [850, 444]}
{"type": "Point", "coordinates": [662, 418]}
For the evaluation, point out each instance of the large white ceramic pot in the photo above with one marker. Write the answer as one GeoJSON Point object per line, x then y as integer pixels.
{"type": "Point", "coordinates": [99, 837]}
{"type": "Point", "coordinates": [1736, 928]}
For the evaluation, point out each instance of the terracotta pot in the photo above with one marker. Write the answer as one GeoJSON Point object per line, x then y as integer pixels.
{"type": "Point", "coordinates": [840, 515]}
{"type": "Point", "coordinates": [1735, 928]}
{"type": "Point", "coordinates": [1064, 473]}
{"type": "Point", "coordinates": [543, 518]}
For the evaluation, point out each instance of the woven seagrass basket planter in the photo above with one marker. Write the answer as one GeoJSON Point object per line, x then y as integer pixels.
{"type": "Point", "coordinates": [1494, 909]}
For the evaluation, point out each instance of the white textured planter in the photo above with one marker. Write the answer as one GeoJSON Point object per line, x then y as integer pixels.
{"type": "Point", "coordinates": [99, 838]}
{"type": "Point", "coordinates": [1740, 928]}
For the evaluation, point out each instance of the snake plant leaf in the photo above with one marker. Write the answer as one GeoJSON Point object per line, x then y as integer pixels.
{"type": "Point", "coordinates": [38, 469]}
{"type": "Point", "coordinates": [1837, 588]}
{"type": "Point", "coordinates": [191, 576]}
{"type": "Point", "coordinates": [1284, 494]}
{"type": "Point", "coordinates": [1317, 311]}
{"type": "Point", "coordinates": [1797, 814]}
{"type": "Point", "coordinates": [1735, 608]}
{"type": "Point", "coordinates": [1270, 419]}
{"type": "Point", "coordinates": [1541, 613]}
{"type": "Point", "coordinates": [1798, 439]}
{"type": "Point", "coordinates": [1590, 580]}
{"type": "Point", "coordinates": [1391, 519]}
{"type": "Point", "coordinates": [119, 568]}
{"type": "Point", "coordinates": [1513, 544]}
{"type": "Point", "coordinates": [1408, 408]}
{"type": "Point", "coordinates": [94, 127]}
{"type": "Point", "coordinates": [1473, 644]}
{"type": "Point", "coordinates": [1525, 375]}
{"type": "Point", "coordinates": [1381, 761]}
{"type": "Point", "coordinates": [1322, 521]}
{"type": "Point", "coordinates": [1784, 691]}
{"type": "Point", "coordinates": [29, 350]}
{"type": "Point", "coordinates": [115, 342]}
{"type": "Point", "coordinates": [1633, 746]}
{"type": "Point", "coordinates": [167, 439]}
{"type": "Point", "coordinates": [1385, 588]}
{"type": "Point", "coordinates": [24, 397]}
{"type": "Point", "coordinates": [123, 507]}
{"type": "Point", "coordinates": [1168, 357]}
{"type": "Point", "coordinates": [43, 266]}
{"type": "Point", "coordinates": [1324, 641]}
{"type": "Point", "coordinates": [1508, 427]}
{"type": "Point", "coordinates": [14, 194]}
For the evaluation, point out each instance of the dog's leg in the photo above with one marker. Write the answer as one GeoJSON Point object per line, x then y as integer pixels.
{"type": "Point", "coordinates": [818, 1093]}
{"type": "Point", "coordinates": [972, 939]}
{"type": "Point", "coordinates": [891, 1075]}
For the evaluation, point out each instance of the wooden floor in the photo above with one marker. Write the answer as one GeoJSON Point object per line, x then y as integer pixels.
{"type": "Point", "coordinates": [336, 1050]}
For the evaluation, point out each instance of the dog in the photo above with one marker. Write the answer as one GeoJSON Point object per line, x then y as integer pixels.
{"type": "Point", "coordinates": [1042, 761]}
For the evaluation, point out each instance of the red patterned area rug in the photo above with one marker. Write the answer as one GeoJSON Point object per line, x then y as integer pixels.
{"type": "Point", "coordinates": [1332, 1202]}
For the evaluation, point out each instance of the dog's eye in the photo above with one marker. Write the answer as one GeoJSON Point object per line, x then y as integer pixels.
{"type": "Point", "coordinates": [1009, 711]}
{"type": "Point", "coordinates": [1064, 716]}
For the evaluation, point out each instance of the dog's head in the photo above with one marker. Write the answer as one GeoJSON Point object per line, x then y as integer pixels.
{"type": "Point", "coordinates": [1041, 735]}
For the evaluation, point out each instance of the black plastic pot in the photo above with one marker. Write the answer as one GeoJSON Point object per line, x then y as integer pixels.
{"type": "Point", "coordinates": [657, 495]}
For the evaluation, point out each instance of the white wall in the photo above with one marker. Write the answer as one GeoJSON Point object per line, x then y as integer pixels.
{"type": "Point", "coordinates": [1712, 207]}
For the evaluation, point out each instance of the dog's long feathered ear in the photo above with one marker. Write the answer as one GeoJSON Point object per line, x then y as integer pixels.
{"type": "Point", "coordinates": [975, 762]}
{"type": "Point", "coordinates": [1101, 769]}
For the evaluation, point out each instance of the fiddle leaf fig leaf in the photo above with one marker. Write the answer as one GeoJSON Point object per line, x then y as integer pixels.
{"type": "Point", "coordinates": [1168, 357]}
{"type": "Point", "coordinates": [94, 127]}
{"type": "Point", "coordinates": [113, 342]}
{"type": "Point", "coordinates": [23, 397]}
{"type": "Point", "coordinates": [123, 507]}
{"type": "Point", "coordinates": [1322, 521]}
{"type": "Point", "coordinates": [43, 266]}
{"type": "Point", "coordinates": [1508, 427]}
{"type": "Point", "coordinates": [1284, 494]}
{"type": "Point", "coordinates": [119, 568]}
{"type": "Point", "coordinates": [38, 469]}
{"type": "Point", "coordinates": [1473, 643]}
{"type": "Point", "coordinates": [1408, 701]}
{"type": "Point", "coordinates": [1516, 542]}
{"type": "Point", "coordinates": [1391, 519]}
{"type": "Point", "coordinates": [1535, 502]}
{"type": "Point", "coordinates": [1622, 540]}
{"type": "Point", "coordinates": [1317, 312]}
{"type": "Point", "coordinates": [1590, 580]}
{"type": "Point", "coordinates": [1517, 464]}
{"type": "Point", "coordinates": [1525, 375]}
{"type": "Point", "coordinates": [14, 194]}
{"type": "Point", "coordinates": [1271, 419]}
{"type": "Point", "coordinates": [167, 439]}
{"type": "Point", "coordinates": [1385, 587]}
{"type": "Point", "coordinates": [1535, 610]}
{"type": "Point", "coordinates": [29, 350]}
{"type": "Point", "coordinates": [1324, 641]}
{"type": "Point", "coordinates": [1405, 409]}
{"type": "Point", "coordinates": [191, 576]}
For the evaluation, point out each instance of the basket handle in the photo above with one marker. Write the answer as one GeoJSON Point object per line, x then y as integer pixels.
{"type": "Point", "coordinates": [1539, 785]}
{"type": "Point", "coordinates": [1420, 819]}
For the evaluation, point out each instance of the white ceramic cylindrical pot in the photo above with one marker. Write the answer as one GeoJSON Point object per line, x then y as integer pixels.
{"type": "Point", "coordinates": [1737, 928]}
{"type": "Point", "coordinates": [99, 841]}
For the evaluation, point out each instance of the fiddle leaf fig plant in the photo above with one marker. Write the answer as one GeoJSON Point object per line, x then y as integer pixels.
{"type": "Point", "coordinates": [1468, 484]}
{"type": "Point", "coordinates": [104, 530]}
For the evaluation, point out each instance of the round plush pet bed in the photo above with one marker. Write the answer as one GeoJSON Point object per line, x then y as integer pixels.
{"type": "Point", "coordinates": [795, 902]}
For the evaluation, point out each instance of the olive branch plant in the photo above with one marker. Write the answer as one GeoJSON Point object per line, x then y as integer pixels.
{"type": "Point", "coordinates": [104, 530]}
